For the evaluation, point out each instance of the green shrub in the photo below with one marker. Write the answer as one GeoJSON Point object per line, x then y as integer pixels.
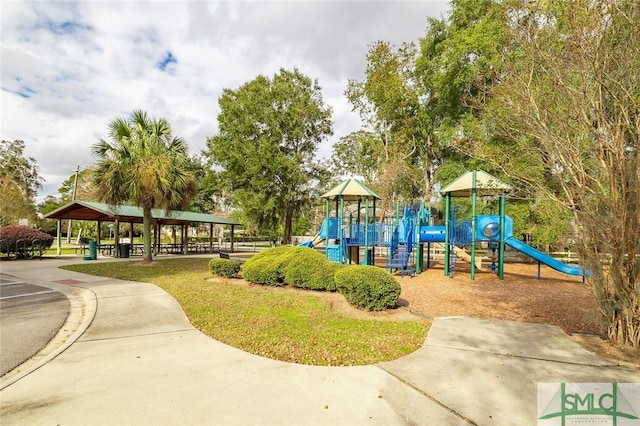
{"type": "Point", "coordinates": [297, 266]}
{"type": "Point", "coordinates": [224, 267]}
{"type": "Point", "coordinates": [268, 267]}
{"type": "Point", "coordinates": [368, 287]}
{"type": "Point", "coordinates": [311, 270]}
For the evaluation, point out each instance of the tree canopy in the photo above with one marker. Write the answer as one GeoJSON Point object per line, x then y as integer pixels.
{"type": "Point", "coordinates": [20, 169]}
{"type": "Point", "coordinates": [543, 95]}
{"type": "Point", "coordinates": [84, 186]}
{"type": "Point", "coordinates": [143, 164]}
{"type": "Point", "coordinates": [568, 97]}
{"type": "Point", "coordinates": [397, 138]}
{"type": "Point", "coordinates": [269, 130]}
{"type": "Point", "coordinates": [19, 183]}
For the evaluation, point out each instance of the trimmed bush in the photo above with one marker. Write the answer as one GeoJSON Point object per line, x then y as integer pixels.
{"type": "Point", "coordinates": [23, 240]}
{"type": "Point", "coordinates": [368, 287]}
{"type": "Point", "coordinates": [224, 267]}
{"type": "Point", "coordinates": [312, 271]}
{"type": "Point", "coordinates": [297, 266]}
{"type": "Point", "coordinates": [268, 267]}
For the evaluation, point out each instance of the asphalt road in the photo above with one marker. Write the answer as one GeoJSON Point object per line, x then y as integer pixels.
{"type": "Point", "coordinates": [30, 315]}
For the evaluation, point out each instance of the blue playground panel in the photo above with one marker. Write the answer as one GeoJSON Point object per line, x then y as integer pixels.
{"type": "Point", "coordinates": [329, 228]}
{"type": "Point", "coordinates": [488, 228]}
{"type": "Point", "coordinates": [432, 234]}
{"type": "Point", "coordinates": [378, 234]}
{"type": "Point", "coordinates": [333, 253]}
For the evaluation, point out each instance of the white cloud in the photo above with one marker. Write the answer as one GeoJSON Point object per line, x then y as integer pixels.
{"type": "Point", "coordinates": [69, 68]}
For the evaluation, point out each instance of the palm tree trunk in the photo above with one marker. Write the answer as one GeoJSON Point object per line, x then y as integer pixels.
{"type": "Point", "coordinates": [146, 233]}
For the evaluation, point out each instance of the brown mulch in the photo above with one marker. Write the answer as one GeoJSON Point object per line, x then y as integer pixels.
{"type": "Point", "coordinates": [556, 299]}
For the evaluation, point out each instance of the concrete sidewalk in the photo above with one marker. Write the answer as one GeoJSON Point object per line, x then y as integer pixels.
{"type": "Point", "coordinates": [130, 356]}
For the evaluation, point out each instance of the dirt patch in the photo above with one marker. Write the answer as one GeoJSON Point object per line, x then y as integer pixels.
{"type": "Point", "coordinates": [624, 356]}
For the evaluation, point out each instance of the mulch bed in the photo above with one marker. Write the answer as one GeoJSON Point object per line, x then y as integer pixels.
{"type": "Point", "coordinates": [556, 298]}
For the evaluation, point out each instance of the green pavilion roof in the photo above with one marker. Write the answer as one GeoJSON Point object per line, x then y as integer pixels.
{"type": "Point", "coordinates": [89, 210]}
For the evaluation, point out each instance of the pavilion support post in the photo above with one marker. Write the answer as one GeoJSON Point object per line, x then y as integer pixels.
{"type": "Point", "coordinates": [98, 237]}
{"type": "Point", "coordinates": [211, 238]}
{"type": "Point", "coordinates": [158, 238]}
{"type": "Point", "coordinates": [183, 239]}
{"type": "Point", "coordinates": [153, 235]}
{"type": "Point", "coordinates": [116, 239]}
{"type": "Point", "coordinates": [59, 238]}
{"type": "Point", "coordinates": [233, 227]}
{"type": "Point", "coordinates": [131, 234]}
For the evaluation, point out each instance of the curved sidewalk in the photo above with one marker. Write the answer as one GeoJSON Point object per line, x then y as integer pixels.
{"type": "Point", "coordinates": [134, 358]}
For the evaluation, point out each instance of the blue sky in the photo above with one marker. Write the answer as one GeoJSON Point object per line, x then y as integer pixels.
{"type": "Point", "coordinates": [69, 68]}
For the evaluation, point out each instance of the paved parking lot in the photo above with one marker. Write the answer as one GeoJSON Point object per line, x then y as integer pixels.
{"type": "Point", "coordinates": [30, 316]}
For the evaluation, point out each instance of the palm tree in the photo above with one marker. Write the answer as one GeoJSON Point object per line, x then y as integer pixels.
{"type": "Point", "coordinates": [144, 164]}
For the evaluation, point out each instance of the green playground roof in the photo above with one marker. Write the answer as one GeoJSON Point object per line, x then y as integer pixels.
{"type": "Point", "coordinates": [350, 190]}
{"type": "Point", "coordinates": [484, 184]}
{"type": "Point", "coordinates": [89, 210]}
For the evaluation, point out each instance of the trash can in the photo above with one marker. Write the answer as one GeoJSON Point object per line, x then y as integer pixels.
{"type": "Point", "coordinates": [125, 250]}
{"type": "Point", "coordinates": [93, 250]}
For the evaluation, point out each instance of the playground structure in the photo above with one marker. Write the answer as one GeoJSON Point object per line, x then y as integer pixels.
{"type": "Point", "coordinates": [404, 237]}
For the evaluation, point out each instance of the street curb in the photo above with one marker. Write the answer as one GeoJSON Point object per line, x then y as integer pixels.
{"type": "Point", "coordinates": [82, 310]}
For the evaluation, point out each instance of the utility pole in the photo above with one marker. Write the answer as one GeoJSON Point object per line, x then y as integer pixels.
{"type": "Point", "coordinates": [73, 198]}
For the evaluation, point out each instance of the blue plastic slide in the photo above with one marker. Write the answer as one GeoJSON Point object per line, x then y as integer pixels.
{"type": "Point", "coordinates": [320, 236]}
{"type": "Point", "coordinates": [546, 259]}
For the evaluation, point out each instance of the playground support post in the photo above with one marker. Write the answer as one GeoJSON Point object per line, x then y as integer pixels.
{"type": "Point", "coordinates": [447, 233]}
{"type": "Point", "coordinates": [502, 239]}
{"type": "Point", "coordinates": [341, 230]}
{"type": "Point", "coordinates": [328, 219]}
{"type": "Point", "coordinates": [474, 196]}
{"type": "Point", "coordinates": [366, 232]}
{"type": "Point", "coordinates": [428, 255]}
{"type": "Point", "coordinates": [358, 222]}
{"type": "Point", "coordinates": [539, 265]}
{"type": "Point", "coordinates": [416, 239]}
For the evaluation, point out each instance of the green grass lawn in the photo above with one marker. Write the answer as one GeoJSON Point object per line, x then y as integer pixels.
{"type": "Point", "coordinates": [286, 326]}
{"type": "Point", "coordinates": [52, 251]}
